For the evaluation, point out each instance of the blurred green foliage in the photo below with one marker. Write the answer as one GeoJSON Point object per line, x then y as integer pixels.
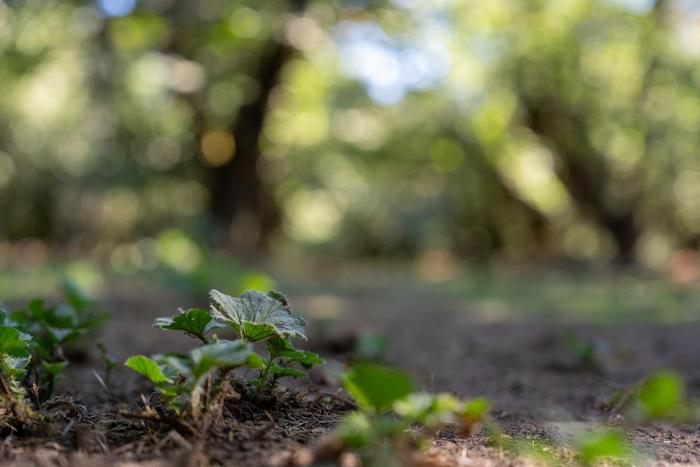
{"type": "Point", "coordinates": [559, 293]}
{"type": "Point", "coordinates": [512, 128]}
{"type": "Point", "coordinates": [662, 396]}
{"type": "Point", "coordinates": [604, 446]}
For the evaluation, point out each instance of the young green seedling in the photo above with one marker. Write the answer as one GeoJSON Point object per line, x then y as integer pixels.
{"type": "Point", "coordinates": [603, 446]}
{"type": "Point", "coordinates": [52, 327]}
{"type": "Point", "coordinates": [181, 378]}
{"type": "Point", "coordinates": [256, 317]}
{"type": "Point", "coordinates": [389, 408]}
{"type": "Point", "coordinates": [15, 356]}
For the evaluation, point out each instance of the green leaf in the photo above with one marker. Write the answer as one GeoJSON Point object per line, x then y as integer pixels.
{"type": "Point", "coordinates": [476, 409]}
{"type": "Point", "coordinates": [256, 316]}
{"type": "Point", "coordinates": [283, 348]}
{"type": "Point", "coordinates": [376, 387]}
{"type": "Point", "coordinates": [54, 368]}
{"type": "Point", "coordinates": [255, 361]}
{"type": "Point", "coordinates": [603, 445]}
{"type": "Point", "coordinates": [222, 354]}
{"type": "Point", "coordinates": [148, 368]}
{"type": "Point", "coordinates": [13, 343]}
{"type": "Point", "coordinates": [175, 365]}
{"type": "Point", "coordinates": [195, 321]}
{"type": "Point", "coordinates": [662, 395]}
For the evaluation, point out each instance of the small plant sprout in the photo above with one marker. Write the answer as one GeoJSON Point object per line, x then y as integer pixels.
{"type": "Point", "coordinates": [605, 445]}
{"type": "Point", "coordinates": [256, 316]}
{"type": "Point", "coordinates": [51, 328]}
{"type": "Point", "coordinates": [392, 417]}
{"type": "Point", "coordinates": [188, 380]}
{"type": "Point", "coordinates": [185, 378]}
{"type": "Point", "coordinates": [661, 396]}
{"type": "Point", "coordinates": [14, 358]}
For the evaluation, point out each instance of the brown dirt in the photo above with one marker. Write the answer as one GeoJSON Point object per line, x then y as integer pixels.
{"type": "Point", "coordinates": [537, 389]}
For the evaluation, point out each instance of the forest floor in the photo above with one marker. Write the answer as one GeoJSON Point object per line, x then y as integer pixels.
{"type": "Point", "coordinates": [521, 363]}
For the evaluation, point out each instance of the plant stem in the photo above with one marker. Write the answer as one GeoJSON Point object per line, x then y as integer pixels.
{"type": "Point", "coordinates": [265, 372]}
{"type": "Point", "coordinates": [5, 388]}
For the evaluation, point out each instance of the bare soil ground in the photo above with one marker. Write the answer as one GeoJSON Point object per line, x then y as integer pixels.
{"type": "Point", "coordinates": [538, 391]}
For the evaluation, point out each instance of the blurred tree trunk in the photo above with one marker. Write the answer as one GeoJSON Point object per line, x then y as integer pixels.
{"type": "Point", "coordinates": [502, 195]}
{"type": "Point", "coordinates": [240, 203]}
{"type": "Point", "coordinates": [583, 171]}
{"type": "Point", "coordinates": [238, 193]}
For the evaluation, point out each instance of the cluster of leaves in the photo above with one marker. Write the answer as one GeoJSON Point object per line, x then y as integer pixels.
{"type": "Point", "coordinates": [33, 339]}
{"type": "Point", "coordinates": [185, 379]}
{"type": "Point", "coordinates": [389, 408]}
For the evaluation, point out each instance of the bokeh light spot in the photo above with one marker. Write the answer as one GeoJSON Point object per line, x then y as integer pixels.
{"type": "Point", "coordinates": [218, 147]}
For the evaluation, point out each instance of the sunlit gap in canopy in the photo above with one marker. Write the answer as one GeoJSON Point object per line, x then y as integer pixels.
{"type": "Point", "coordinates": [641, 7]}
{"type": "Point", "coordinates": [391, 67]}
{"type": "Point", "coordinates": [116, 7]}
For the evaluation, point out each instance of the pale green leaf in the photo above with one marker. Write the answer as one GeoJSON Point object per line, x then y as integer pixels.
{"type": "Point", "coordinates": [13, 343]}
{"type": "Point", "coordinates": [256, 316]}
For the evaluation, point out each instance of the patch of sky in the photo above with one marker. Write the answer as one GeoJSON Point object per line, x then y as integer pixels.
{"type": "Point", "coordinates": [391, 67]}
{"type": "Point", "coordinates": [116, 7]}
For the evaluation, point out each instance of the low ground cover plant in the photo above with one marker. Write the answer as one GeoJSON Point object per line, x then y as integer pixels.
{"type": "Point", "coordinates": [393, 418]}
{"type": "Point", "coordinates": [33, 340]}
{"type": "Point", "coordinates": [196, 382]}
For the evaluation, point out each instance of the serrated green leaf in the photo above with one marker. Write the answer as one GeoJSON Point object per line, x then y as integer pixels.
{"type": "Point", "coordinates": [376, 387]}
{"type": "Point", "coordinates": [256, 316]}
{"type": "Point", "coordinates": [195, 321]}
{"type": "Point", "coordinates": [148, 368]}
{"type": "Point", "coordinates": [13, 343]}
